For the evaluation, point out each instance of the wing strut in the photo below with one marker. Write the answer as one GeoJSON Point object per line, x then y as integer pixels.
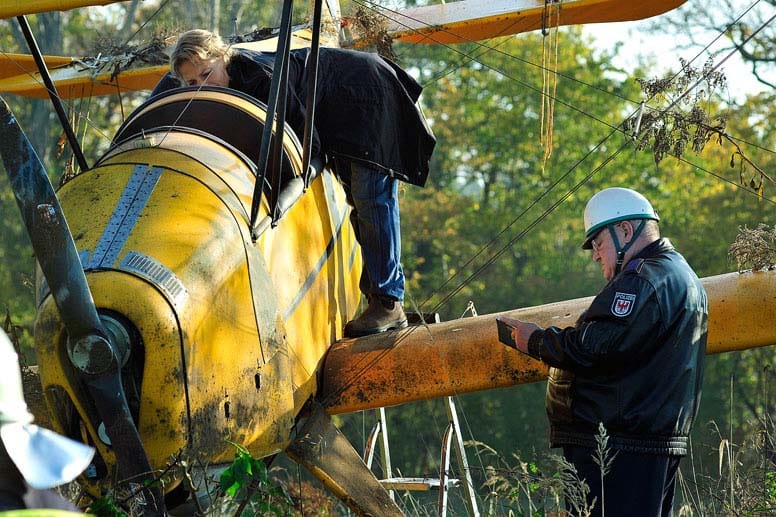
{"type": "Point", "coordinates": [279, 80]}
{"type": "Point", "coordinates": [52, 91]}
{"type": "Point", "coordinates": [312, 84]}
{"type": "Point", "coordinates": [280, 128]}
{"type": "Point", "coordinates": [324, 451]}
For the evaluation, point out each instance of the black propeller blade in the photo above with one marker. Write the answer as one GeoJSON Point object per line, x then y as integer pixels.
{"type": "Point", "coordinates": [90, 349]}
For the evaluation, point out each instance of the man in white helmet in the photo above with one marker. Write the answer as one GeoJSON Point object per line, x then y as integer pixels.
{"type": "Point", "coordinates": [32, 459]}
{"type": "Point", "coordinates": [633, 362]}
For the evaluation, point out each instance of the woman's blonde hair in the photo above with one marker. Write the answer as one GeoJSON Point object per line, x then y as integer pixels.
{"type": "Point", "coordinates": [198, 45]}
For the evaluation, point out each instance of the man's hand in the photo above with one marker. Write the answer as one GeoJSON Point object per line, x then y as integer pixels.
{"type": "Point", "coordinates": [521, 331]}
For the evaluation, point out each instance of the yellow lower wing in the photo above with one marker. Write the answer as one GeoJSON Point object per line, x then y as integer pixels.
{"type": "Point", "coordinates": [466, 355]}
{"type": "Point", "coordinates": [18, 64]}
{"type": "Point", "coordinates": [104, 76]}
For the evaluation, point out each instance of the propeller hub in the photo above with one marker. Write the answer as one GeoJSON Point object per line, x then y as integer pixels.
{"type": "Point", "coordinates": [92, 354]}
{"type": "Point", "coordinates": [119, 336]}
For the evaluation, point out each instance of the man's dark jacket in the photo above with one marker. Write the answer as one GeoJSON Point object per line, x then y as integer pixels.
{"type": "Point", "coordinates": [633, 362]}
{"type": "Point", "coordinates": [364, 108]}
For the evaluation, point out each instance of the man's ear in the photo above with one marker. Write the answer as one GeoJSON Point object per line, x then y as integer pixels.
{"type": "Point", "coordinates": [627, 231]}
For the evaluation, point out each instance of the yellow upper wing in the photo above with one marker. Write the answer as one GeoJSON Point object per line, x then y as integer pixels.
{"type": "Point", "coordinates": [453, 22]}
{"type": "Point", "coordinates": [473, 20]}
{"type": "Point", "coordinates": [9, 8]}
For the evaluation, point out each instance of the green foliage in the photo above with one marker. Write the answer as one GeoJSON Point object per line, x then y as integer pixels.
{"type": "Point", "coordinates": [243, 470]}
{"type": "Point", "coordinates": [541, 486]}
{"type": "Point", "coordinates": [770, 486]}
{"type": "Point", "coordinates": [106, 507]}
{"type": "Point", "coordinates": [247, 483]}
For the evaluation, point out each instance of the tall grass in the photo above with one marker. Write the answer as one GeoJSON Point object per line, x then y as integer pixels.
{"type": "Point", "coordinates": [718, 478]}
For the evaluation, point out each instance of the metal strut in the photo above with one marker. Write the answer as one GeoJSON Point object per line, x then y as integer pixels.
{"type": "Point", "coordinates": [52, 91]}
{"type": "Point", "coordinates": [282, 195]}
{"type": "Point", "coordinates": [452, 437]}
{"type": "Point", "coordinates": [312, 84]}
{"type": "Point", "coordinates": [281, 60]}
{"type": "Point", "coordinates": [280, 130]}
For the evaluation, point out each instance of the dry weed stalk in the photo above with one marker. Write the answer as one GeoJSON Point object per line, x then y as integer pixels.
{"type": "Point", "coordinates": [754, 248]}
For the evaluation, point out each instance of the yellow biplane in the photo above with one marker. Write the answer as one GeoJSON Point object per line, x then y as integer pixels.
{"type": "Point", "coordinates": [179, 311]}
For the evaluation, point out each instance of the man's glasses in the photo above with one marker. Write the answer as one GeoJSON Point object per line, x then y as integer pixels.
{"type": "Point", "coordinates": [595, 244]}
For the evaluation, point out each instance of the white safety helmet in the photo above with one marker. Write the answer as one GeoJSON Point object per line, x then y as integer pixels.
{"type": "Point", "coordinates": [44, 458]}
{"type": "Point", "coordinates": [613, 205]}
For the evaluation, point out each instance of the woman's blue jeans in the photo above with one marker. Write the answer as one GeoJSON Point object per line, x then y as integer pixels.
{"type": "Point", "coordinates": [375, 218]}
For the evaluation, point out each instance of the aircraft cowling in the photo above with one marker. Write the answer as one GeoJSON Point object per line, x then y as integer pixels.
{"type": "Point", "coordinates": [161, 225]}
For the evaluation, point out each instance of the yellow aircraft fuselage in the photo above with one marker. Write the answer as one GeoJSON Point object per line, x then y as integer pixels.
{"type": "Point", "coordinates": [228, 333]}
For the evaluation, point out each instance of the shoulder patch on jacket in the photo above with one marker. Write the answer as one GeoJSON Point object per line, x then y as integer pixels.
{"type": "Point", "coordinates": [623, 303]}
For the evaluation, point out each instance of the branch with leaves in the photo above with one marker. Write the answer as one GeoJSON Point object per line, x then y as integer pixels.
{"type": "Point", "coordinates": [685, 121]}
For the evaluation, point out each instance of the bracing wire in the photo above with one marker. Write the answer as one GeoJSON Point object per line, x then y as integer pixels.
{"type": "Point", "coordinates": [487, 245]}
{"type": "Point", "coordinates": [142, 25]}
{"type": "Point", "coordinates": [489, 261]}
{"type": "Point", "coordinates": [468, 57]}
{"type": "Point", "coordinates": [495, 257]}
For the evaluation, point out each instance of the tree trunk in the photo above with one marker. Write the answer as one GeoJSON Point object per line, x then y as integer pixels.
{"type": "Point", "coordinates": [188, 10]}
{"type": "Point", "coordinates": [48, 34]}
{"type": "Point", "coordinates": [129, 20]}
{"type": "Point", "coordinates": [215, 15]}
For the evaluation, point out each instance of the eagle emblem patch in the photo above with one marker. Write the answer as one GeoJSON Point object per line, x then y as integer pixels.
{"type": "Point", "coordinates": [623, 304]}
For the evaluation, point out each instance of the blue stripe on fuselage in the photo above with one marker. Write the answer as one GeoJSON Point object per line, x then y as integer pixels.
{"type": "Point", "coordinates": [337, 216]}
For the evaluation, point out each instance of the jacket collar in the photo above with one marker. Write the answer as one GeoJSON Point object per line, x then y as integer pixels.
{"type": "Point", "coordinates": [654, 249]}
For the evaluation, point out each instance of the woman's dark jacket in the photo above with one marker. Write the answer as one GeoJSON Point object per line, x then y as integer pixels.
{"type": "Point", "coordinates": [633, 362]}
{"type": "Point", "coordinates": [364, 108]}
